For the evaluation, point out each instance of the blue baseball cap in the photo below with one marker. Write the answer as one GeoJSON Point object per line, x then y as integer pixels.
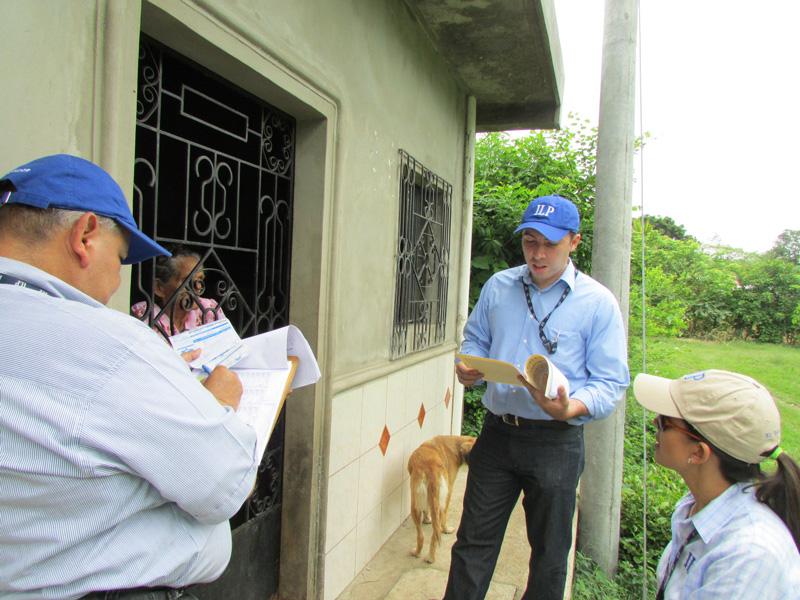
{"type": "Point", "coordinates": [72, 183]}
{"type": "Point", "coordinates": [552, 216]}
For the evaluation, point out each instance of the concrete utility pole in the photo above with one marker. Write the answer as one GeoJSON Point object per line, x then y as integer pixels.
{"type": "Point", "coordinates": [601, 486]}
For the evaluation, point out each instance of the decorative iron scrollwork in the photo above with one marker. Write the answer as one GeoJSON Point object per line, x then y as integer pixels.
{"type": "Point", "coordinates": [214, 172]}
{"type": "Point", "coordinates": [423, 251]}
{"type": "Point", "coordinates": [214, 185]}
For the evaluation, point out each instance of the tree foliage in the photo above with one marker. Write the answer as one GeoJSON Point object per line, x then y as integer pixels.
{"type": "Point", "coordinates": [787, 246]}
{"type": "Point", "coordinates": [765, 299]}
{"type": "Point", "coordinates": [510, 173]}
{"type": "Point", "coordinates": [668, 227]}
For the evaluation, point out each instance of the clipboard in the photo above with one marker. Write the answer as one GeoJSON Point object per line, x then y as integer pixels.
{"type": "Point", "coordinates": [286, 389]}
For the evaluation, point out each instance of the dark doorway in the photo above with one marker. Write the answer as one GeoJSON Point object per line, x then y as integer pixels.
{"type": "Point", "coordinates": [214, 171]}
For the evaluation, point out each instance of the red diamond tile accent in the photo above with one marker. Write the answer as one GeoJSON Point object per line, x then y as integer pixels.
{"type": "Point", "coordinates": [421, 416]}
{"type": "Point", "coordinates": [384, 440]}
{"type": "Point", "coordinates": [447, 399]}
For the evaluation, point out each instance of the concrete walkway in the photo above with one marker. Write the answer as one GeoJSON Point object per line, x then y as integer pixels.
{"type": "Point", "coordinates": [393, 574]}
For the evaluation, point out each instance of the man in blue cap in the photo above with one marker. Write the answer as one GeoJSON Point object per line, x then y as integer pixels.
{"type": "Point", "coordinates": [119, 468]}
{"type": "Point", "coordinates": [529, 442]}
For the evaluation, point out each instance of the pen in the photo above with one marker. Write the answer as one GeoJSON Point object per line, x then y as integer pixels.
{"type": "Point", "coordinates": [206, 369]}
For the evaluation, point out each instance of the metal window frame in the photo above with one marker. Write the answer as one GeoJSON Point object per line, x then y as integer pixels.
{"type": "Point", "coordinates": [423, 258]}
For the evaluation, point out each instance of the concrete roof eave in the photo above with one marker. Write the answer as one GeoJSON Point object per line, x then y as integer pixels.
{"type": "Point", "coordinates": [506, 53]}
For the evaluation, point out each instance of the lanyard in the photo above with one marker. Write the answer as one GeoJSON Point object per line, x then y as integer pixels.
{"type": "Point", "coordinates": [551, 347]}
{"type": "Point", "coordinates": [9, 280]}
{"type": "Point", "coordinates": [673, 564]}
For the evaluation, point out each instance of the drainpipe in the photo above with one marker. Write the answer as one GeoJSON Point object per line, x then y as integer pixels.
{"type": "Point", "coordinates": [466, 254]}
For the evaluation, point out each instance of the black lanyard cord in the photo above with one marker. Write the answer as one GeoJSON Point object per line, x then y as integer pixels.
{"type": "Point", "coordinates": [550, 346]}
{"type": "Point", "coordinates": [9, 280]}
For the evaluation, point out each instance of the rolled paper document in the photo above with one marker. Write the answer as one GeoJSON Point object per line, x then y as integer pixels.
{"type": "Point", "coordinates": [545, 376]}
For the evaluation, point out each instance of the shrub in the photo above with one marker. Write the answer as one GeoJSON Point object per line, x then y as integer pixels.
{"type": "Point", "coordinates": [474, 410]}
{"type": "Point", "coordinates": [664, 488]}
{"type": "Point", "coordinates": [590, 583]}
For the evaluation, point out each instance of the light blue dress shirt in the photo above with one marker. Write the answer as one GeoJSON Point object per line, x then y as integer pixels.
{"type": "Point", "coordinates": [743, 551]}
{"type": "Point", "coordinates": [117, 467]}
{"type": "Point", "coordinates": [592, 346]}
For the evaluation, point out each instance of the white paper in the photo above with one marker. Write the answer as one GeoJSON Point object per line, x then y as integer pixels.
{"type": "Point", "coordinates": [264, 372]}
{"type": "Point", "coordinates": [260, 362]}
{"type": "Point", "coordinates": [545, 376]}
{"type": "Point", "coordinates": [218, 340]}
{"type": "Point", "coordinates": [269, 351]}
{"type": "Point", "coordinates": [261, 400]}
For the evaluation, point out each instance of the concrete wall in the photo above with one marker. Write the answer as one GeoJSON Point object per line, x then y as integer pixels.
{"type": "Point", "coordinates": [69, 85]}
{"type": "Point", "coordinates": [363, 81]}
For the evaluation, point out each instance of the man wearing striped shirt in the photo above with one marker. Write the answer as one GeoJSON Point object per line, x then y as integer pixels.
{"type": "Point", "coordinates": [119, 470]}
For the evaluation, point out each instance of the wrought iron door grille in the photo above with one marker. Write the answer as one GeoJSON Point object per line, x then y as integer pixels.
{"type": "Point", "coordinates": [214, 171]}
{"type": "Point", "coordinates": [423, 258]}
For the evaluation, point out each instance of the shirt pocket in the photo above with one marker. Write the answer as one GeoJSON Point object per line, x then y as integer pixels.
{"type": "Point", "coordinates": [571, 353]}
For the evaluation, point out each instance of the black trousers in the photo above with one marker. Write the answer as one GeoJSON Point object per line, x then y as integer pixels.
{"type": "Point", "coordinates": [545, 464]}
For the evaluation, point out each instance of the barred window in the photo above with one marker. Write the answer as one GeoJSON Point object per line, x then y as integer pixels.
{"type": "Point", "coordinates": [423, 258]}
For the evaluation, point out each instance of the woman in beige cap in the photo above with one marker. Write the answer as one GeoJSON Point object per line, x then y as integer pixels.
{"type": "Point", "coordinates": [736, 533]}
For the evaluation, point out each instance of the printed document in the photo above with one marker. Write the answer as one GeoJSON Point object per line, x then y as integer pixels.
{"type": "Point", "coordinates": [268, 365]}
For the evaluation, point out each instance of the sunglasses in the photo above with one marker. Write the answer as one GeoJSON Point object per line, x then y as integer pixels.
{"type": "Point", "coordinates": [663, 423]}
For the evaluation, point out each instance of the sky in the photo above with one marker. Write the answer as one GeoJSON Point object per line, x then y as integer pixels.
{"type": "Point", "coordinates": [718, 90]}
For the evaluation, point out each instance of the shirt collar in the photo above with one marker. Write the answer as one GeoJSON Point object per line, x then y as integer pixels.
{"type": "Point", "coordinates": [49, 283]}
{"type": "Point", "coordinates": [720, 510]}
{"type": "Point", "coordinates": [569, 276]}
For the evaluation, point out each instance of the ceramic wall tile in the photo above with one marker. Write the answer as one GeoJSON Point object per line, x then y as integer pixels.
{"type": "Point", "coordinates": [340, 566]}
{"type": "Point", "coordinates": [342, 515]}
{"type": "Point", "coordinates": [415, 392]}
{"type": "Point", "coordinates": [392, 513]}
{"type": "Point", "coordinates": [370, 482]}
{"type": "Point", "coordinates": [396, 401]}
{"type": "Point", "coordinates": [393, 466]}
{"type": "Point", "coordinates": [368, 538]}
{"type": "Point", "coordinates": [373, 414]}
{"type": "Point", "coordinates": [345, 445]}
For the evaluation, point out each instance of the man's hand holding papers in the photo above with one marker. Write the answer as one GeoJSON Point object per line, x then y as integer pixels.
{"type": "Point", "coordinates": [268, 365]}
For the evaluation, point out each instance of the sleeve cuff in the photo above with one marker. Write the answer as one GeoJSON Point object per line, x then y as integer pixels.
{"type": "Point", "coordinates": [586, 397]}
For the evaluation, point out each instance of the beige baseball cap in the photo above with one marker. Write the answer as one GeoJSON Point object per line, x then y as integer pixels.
{"type": "Point", "coordinates": [732, 411]}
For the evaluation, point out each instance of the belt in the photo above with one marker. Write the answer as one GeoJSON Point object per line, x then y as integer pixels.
{"type": "Point", "coordinates": [516, 421]}
{"type": "Point", "coordinates": [165, 592]}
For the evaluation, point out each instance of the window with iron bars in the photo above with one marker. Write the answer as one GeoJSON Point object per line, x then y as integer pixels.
{"type": "Point", "coordinates": [423, 258]}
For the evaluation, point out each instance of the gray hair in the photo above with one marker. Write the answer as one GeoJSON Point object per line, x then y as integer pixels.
{"type": "Point", "coordinates": [36, 225]}
{"type": "Point", "coordinates": [167, 266]}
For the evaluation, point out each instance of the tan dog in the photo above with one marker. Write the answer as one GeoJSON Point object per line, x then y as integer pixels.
{"type": "Point", "coordinates": [433, 468]}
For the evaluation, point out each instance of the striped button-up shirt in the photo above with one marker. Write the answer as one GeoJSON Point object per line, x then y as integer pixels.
{"type": "Point", "coordinates": [742, 551]}
{"type": "Point", "coordinates": [118, 468]}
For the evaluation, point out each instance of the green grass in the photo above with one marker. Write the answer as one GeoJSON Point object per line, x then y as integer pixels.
{"type": "Point", "coordinates": [776, 367]}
